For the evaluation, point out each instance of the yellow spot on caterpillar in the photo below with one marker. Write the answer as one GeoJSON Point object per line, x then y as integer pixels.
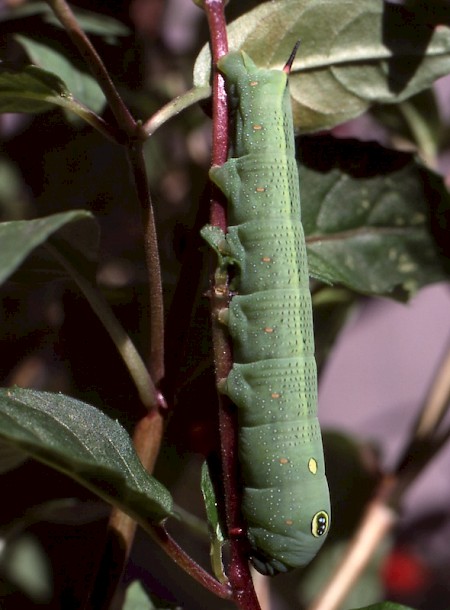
{"type": "Point", "coordinates": [275, 395]}
{"type": "Point", "coordinates": [266, 259]}
{"type": "Point", "coordinates": [284, 461]}
{"type": "Point", "coordinates": [268, 330]}
{"type": "Point", "coordinates": [312, 466]}
{"type": "Point", "coordinates": [320, 523]}
{"type": "Point", "coordinates": [260, 189]}
{"type": "Point", "coordinates": [289, 522]}
{"type": "Point", "coordinates": [253, 83]}
{"type": "Point", "coordinates": [257, 127]}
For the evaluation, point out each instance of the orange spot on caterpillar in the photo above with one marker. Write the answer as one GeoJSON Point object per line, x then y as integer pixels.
{"type": "Point", "coordinates": [260, 189]}
{"type": "Point", "coordinates": [253, 83]}
{"type": "Point", "coordinates": [268, 330]}
{"type": "Point", "coordinates": [275, 395]}
{"type": "Point", "coordinates": [257, 127]}
{"type": "Point", "coordinates": [284, 461]}
{"type": "Point", "coordinates": [266, 259]}
{"type": "Point", "coordinates": [289, 522]}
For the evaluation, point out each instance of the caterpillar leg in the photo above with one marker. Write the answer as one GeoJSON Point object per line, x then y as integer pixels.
{"type": "Point", "coordinates": [215, 238]}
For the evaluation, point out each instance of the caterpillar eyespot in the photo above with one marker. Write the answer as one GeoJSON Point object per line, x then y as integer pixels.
{"type": "Point", "coordinates": [268, 298]}
{"type": "Point", "coordinates": [319, 526]}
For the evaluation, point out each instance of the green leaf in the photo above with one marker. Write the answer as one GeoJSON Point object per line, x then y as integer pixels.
{"type": "Point", "coordinates": [214, 523]}
{"type": "Point", "coordinates": [26, 565]}
{"type": "Point", "coordinates": [368, 213]}
{"type": "Point", "coordinates": [34, 90]}
{"type": "Point", "coordinates": [53, 59]}
{"type": "Point", "coordinates": [30, 89]}
{"type": "Point", "coordinates": [85, 444]}
{"type": "Point", "coordinates": [10, 457]}
{"type": "Point", "coordinates": [136, 598]}
{"type": "Point", "coordinates": [94, 23]}
{"type": "Point", "coordinates": [352, 54]}
{"type": "Point", "coordinates": [18, 239]}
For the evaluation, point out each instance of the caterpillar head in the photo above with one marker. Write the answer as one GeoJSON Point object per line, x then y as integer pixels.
{"type": "Point", "coordinates": [276, 552]}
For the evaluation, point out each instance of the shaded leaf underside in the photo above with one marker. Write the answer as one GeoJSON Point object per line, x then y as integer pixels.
{"type": "Point", "coordinates": [84, 443]}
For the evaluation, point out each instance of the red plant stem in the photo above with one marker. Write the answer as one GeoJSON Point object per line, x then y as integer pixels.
{"type": "Point", "coordinates": [239, 571]}
{"type": "Point", "coordinates": [161, 536]}
{"type": "Point", "coordinates": [219, 45]}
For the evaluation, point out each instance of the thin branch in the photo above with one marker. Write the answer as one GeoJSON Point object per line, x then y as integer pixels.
{"type": "Point", "coordinates": [262, 585]}
{"type": "Point", "coordinates": [111, 132]}
{"type": "Point", "coordinates": [126, 348]}
{"type": "Point", "coordinates": [156, 349]}
{"type": "Point", "coordinates": [66, 17]}
{"type": "Point", "coordinates": [421, 131]}
{"type": "Point", "coordinates": [147, 441]}
{"type": "Point", "coordinates": [132, 128]}
{"type": "Point", "coordinates": [121, 530]}
{"type": "Point", "coordinates": [425, 440]}
{"type": "Point", "coordinates": [377, 521]}
{"type": "Point", "coordinates": [147, 438]}
{"type": "Point", "coordinates": [148, 432]}
{"type": "Point", "coordinates": [422, 446]}
{"type": "Point", "coordinates": [219, 43]}
{"type": "Point", "coordinates": [166, 542]}
{"type": "Point", "coordinates": [437, 402]}
{"type": "Point", "coordinates": [174, 107]}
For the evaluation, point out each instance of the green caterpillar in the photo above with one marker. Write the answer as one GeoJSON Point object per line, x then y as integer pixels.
{"type": "Point", "coordinates": [273, 380]}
